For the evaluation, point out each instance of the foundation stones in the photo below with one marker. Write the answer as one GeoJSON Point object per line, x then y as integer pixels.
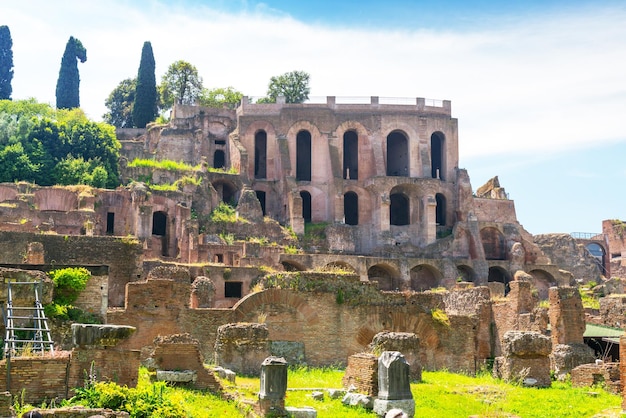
{"type": "Point", "coordinates": [525, 358]}
{"type": "Point", "coordinates": [242, 347]}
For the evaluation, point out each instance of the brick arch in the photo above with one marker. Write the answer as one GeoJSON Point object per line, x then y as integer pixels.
{"type": "Point", "coordinates": [425, 276]}
{"type": "Point", "coordinates": [366, 155]}
{"type": "Point", "coordinates": [250, 305]}
{"type": "Point", "coordinates": [542, 280]}
{"type": "Point", "coordinates": [56, 199]}
{"type": "Point", "coordinates": [247, 139]}
{"type": "Point", "coordinates": [412, 137]}
{"type": "Point", "coordinates": [365, 202]}
{"type": "Point", "coordinates": [320, 210]}
{"type": "Point", "coordinates": [321, 170]}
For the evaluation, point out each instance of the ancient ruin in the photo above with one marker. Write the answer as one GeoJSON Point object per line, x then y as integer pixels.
{"type": "Point", "coordinates": [349, 219]}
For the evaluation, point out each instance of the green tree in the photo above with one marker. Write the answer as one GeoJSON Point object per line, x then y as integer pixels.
{"type": "Point", "coordinates": [145, 106]}
{"type": "Point", "coordinates": [6, 63]}
{"type": "Point", "coordinates": [67, 92]}
{"type": "Point", "coordinates": [120, 104]}
{"type": "Point", "coordinates": [181, 84]}
{"type": "Point", "coordinates": [221, 97]}
{"type": "Point", "coordinates": [294, 86]}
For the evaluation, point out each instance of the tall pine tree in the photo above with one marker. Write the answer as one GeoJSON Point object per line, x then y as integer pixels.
{"type": "Point", "coordinates": [69, 80]}
{"type": "Point", "coordinates": [145, 106]}
{"type": "Point", "coordinates": [6, 63]}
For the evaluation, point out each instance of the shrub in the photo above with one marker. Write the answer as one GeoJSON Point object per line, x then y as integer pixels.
{"type": "Point", "coordinates": [68, 283]}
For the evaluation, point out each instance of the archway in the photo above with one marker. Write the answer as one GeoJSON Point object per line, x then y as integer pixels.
{"type": "Point", "coordinates": [159, 229]}
{"type": "Point", "coordinates": [543, 281]}
{"type": "Point", "coordinates": [219, 159]}
{"type": "Point", "coordinates": [385, 276]}
{"type": "Point", "coordinates": [424, 277]}
{"type": "Point", "coordinates": [498, 274]}
{"type": "Point", "coordinates": [303, 156]}
{"type": "Point", "coordinates": [292, 266]}
{"type": "Point", "coordinates": [227, 191]}
{"type": "Point", "coordinates": [440, 212]}
{"type": "Point", "coordinates": [399, 209]}
{"type": "Point", "coordinates": [260, 155]}
{"type": "Point", "coordinates": [260, 195]}
{"type": "Point", "coordinates": [350, 155]}
{"type": "Point", "coordinates": [397, 154]}
{"type": "Point", "coordinates": [437, 153]}
{"type": "Point", "coordinates": [598, 253]}
{"type": "Point", "coordinates": [465, 273]}
{"type": "Point", "coordinates": [351, 208]}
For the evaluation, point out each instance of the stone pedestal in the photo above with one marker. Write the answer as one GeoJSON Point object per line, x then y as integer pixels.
{"type": "Point", "coordinates": [381, 407]}
{"type": "Point", "coordinates": [273, 386]}
{"type": "Point", "coordinates": [394, 389]}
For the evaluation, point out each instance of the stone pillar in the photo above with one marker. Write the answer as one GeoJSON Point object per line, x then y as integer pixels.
{"type": "Point", "coordinates": [385, 205]}
{"type": "Point", "coordinates": [567, 316]}
{"type": "Point", "coordinates": [394, 389]}
{"type": "Point", "coordinates": [405, 342]}
{"type": "Point", "coordinates": [525, 358]}
{"type": "Point", "coordinates": [430, 220]}
{"type": "Point", "coordinates": [241, 347]}
{"type": "Point", "coordinates": [273, 386]}
{"type": "Point", "coordinates": [35, 253]}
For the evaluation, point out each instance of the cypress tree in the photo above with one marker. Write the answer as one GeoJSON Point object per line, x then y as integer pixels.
{"type": "Point", "coordinates": [68, 84]}
{"type": "Point", "coordinates": [6, 63]}
{"type": "Point", "coordinates": [145, 106]}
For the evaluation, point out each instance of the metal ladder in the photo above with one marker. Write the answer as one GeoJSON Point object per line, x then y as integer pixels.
{"type": "Point", "coordinates": [30, 323]}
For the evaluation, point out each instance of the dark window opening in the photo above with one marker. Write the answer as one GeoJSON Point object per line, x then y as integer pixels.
{"type": "Point", "coordinates": [159, 223]}
{"type": "Point", "coordinates": [397, 155]}
{"type": "Point", "coordinates": [227, 191]}
{"type": "Point", "coordinates": [436, 156]}
{"type": "Point", "coordinates": [219, 159]}
{"type": "Point", "coordinates": [218, 258]}
{"type": "Point", "coordinates": [306, 206]}
{"type": "Point", "coordinates": [232, 289]}
{"type": "Point", "coordinates": [261, 196]}
{"type": "Point", "coordinates": [303, 156]}
{"type": "Point", "coordinates": [110, 223]}
{"type": "Point", "coordinates": [384, 277]}
{"type": "Point", "coordinates": [440, 212]}
{"type": "Point", "coordinates": [260, 155]}
{"type": "Point", "coordinates": [351, 208]}
{"type": "Point", "coordinates": [220, 142]}
{"type": "Point", "coordinates": [350, 155]}
{"type": "Point", "coordinates": [498, 274]}
{"type": "Point", "coordinates": [399, 209]}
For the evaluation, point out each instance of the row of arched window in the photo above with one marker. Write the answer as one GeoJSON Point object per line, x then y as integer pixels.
{"type": "Point", "coordinates": [397, 155]}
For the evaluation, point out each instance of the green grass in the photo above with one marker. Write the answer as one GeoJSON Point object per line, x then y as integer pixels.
{"type": "Point", "coordinates": [163, 164]}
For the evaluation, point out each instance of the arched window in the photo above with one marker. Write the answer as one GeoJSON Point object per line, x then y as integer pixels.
{"type": "Point", "coordinates": [437, 153]}
{"type": "Point", "coordinates": [303, 156]}
{"type": "Point", "coordinates": [261, 196]}
{"type": "Point", "coordinates": [219, 159]}
{"type": "Point", "coordinates": [350, 155]}
{"type": "Point", "coordinates": [351, 208]}
{"type": "Point", "coordinates": [424, 277]}
{"type": "Point", "coordinates": [159, 223]}
{"type": "Point", "coordinates": [440, 212]}
{"type": "Point", "coordinates": [494, 243]}
{"type": "Point", "coordinates": [397, 154]}
{"type": "Point", "coordinates": [306, 206]}
{"type": "Point", "coordinates": [260, 155]}
{"type": "Point", "coordinates": [399, 209]}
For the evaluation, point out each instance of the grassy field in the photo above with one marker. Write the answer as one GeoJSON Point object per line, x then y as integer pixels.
{"type": "Point", "coordinates": [440, 394]}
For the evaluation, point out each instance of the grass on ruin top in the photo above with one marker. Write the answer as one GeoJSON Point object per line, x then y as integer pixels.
{"type": "Point", "coordinates": [168, 165]}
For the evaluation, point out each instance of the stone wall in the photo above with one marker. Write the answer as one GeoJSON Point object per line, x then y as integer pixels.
{"type": "Point", "coordinates": [39, 377]}
{"type": "Point", "coordinates": [122, 256]}
{"type": "Point", "coordinates": [613, 311]}
{"type": "Point", "coordinates": [565, 252]}
{"type": "Point", "coordinates": [567, 317]}
{"type": "Point", "coordinates": [605, 374]}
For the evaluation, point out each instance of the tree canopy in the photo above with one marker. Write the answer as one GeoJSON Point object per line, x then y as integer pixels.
{"type": "Point", "coordinates": [6, 63]}
{"type": "Point", "coordinates": [145, 105]}
{"type": "Point", "coordinates": [46, 146]}
{"type": "Point", "coordinates": [67, 92]}
{"type": "Point", "coordinates": [221, 97]}
{"type": "Point", "coordinates": [294, 86]}
{"type": "Point", "coordinates": [181, 84]}
{"type": "Point", "coordinates": [120, 104]}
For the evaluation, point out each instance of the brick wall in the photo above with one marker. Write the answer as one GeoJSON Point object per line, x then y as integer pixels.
{"type": "Point", "coordinates": [362, 373]}
{"type": "Point", "coordinates": [41, 378]}
{"type": "Point", "coordinates": [110, 364]}
{"type": "Point", "coordinates": [567, 317]}
{"type": "Point", "coordinates": [176, 356]}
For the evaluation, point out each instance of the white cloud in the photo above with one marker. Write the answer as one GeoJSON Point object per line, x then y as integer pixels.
{"type": "Point", "coordinates": [517, 85]}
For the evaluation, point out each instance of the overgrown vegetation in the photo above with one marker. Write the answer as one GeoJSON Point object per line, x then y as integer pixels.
{"type": "Point", "coordinates": [589, 299]}
{"type": "Point", "coordinates": [225, 213]}
{"type": "Point", "coordinates": [68, 284]}
{"type": "Point", "coordinates": [168, 165]}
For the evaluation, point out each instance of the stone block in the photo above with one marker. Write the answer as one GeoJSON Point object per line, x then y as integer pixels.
{"type": "Point", "coordinates": [382, 407]}
{"type": "Point", "coordinates": [174, 376]}
{"type": "Point", "coordinates": [566, 357]}
{"type": "Point", "coordinates": [358, 399]}
{"type": "Point", "coordinates": [301, 412]}
{"type": "Point", "coordinates": [525, 344]}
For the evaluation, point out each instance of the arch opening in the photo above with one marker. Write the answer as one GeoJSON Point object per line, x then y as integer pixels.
{"type": "Point", "coordinates": [440, 211]}
{"type": "Point", "coordinates": [399, 209]}
{"type": "Point", "coordinates": [498, 274]}
{"type": "Point", "coordinates": [219, 159]}
{"type": "Point", "coordinates": [385, 277]}
{"type": "Point", "coordinates": [306, 206]}
{"type": "Point", "coordinates": [351, 208]}
{"type": "Point", "coordinates": [303, 156]}
{"type": "Point", "coordinates": [260, 195]}
{"type": "Point", "coordinates": [543, 281]}
{"type": "Point", "coordinates": [424, 277]}
{"type": "Point", "coordinates": [437, 153]}
{"type": "Point", "coordinates": [494, 243]}
{"type": "Point", "coordinates": [350, 155]}
{"type": "Point", "coordinates": [159, 229]}
{"type": "Point", "coordinates": [397, 154]}
{"type": "Point", "coordinates": [260, 155]}
{"type": "Point", "coordinates": [465, 273]}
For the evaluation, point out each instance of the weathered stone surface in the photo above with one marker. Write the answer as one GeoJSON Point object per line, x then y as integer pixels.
{"type": "Point", "coordinates": [202, 292]}
{"type": "Point", "coordinates": [336, 393]}
{"type": "Point", "coordinates": [242, 347]}
{"type": "Point", "coordinates": [85, 335]}
{"type": "Point", "coordinates": [567, 316]}
{"type": "Point", "coordinates": [383, 406]}
{"type": "Point", "coordinates": [362, 374]}
{"type": "Point", "coordinates": [405, 342]}
{"type": "Point", "coordinates": [301, 412]}
{"type": "Point", "coordinates": [358, 399]}
{"type": "Point", "coordinates": [566, 357]}
{"type": "Point", "coordinates": [174, 376]}
{"type": "Point", "coordinates": [317, 395]}
{"type": "Point", "coordinates": [606, 374]}
{"type": "Point", "coordinates": [393, 376]}
{"type": "Point", "coordinates": [273, 378]}
{"type": "Point", "coordinates": [564, 251]}
{"type": "Point", "coordinates": [176, 273]}
{"type": "Point", "coordinates": [249, 206]}
{"type": "Point", "coordinates": [613, 311]}
{"type": "Point", "coordinates": [525, 344]}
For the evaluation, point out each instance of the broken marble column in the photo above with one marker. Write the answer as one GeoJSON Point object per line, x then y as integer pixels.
{"type": "Point", "coordinates": [273, 386]}
{"type": "Point", "coordinates": [394, 389]}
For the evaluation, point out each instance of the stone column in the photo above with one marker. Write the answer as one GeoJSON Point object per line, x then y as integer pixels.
{"type": "Point", "coordinates": [429, 224]}
{"type": "Point", "coordinates": [394, 389]}
{"type": "Point", "coordinates": [383, 212]}
{"type": "Point", "coordinates": [273, 386]}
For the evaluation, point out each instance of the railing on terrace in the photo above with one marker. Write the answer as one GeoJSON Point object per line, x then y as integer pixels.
{"type": "Point", "coordinates": [586, 235]}
{"type": "Point", "coordinates": [366, 100]}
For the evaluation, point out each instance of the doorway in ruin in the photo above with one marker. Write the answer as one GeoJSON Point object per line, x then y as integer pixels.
{"type": "Point", "coordinates": [498, 274]}
{"type": "Point", "coordinates": [465, 273]}
{"type": "Point", "coordinates": [260, 155]}
{"type": "Point", "coordinates": [542, 281]}
{"type": "Point", "coordinates": [385, 276]}
{"type": "Point", "coordinates": [227, 191]}
{"type": "Point", "coordinates": [599, 255]}
{"type": "Point", "coordinates": [350, 155]}
{"type": "Point", "coordinates": [351, 208]}
{"type": "Point", "coordinates": [424, 277]}
{"type": "Point", "coordinates": [159, 229]}
{"type": "Point", "coordinates": [306, 206]}
{"type": "Point", "coordinates": [440, 211]}
{"type": "Point", "coordinates": [437, 153]}
{"type": "Point", "coordinates": [303, 156]}
{"type": "Point", "coordinates": [110, 223]}
{"type": "Point", "coordinates": [397, 154]}
{"type": "Point", "coordinates": [260, 195]}
{"type": "Point", "coordinates": [494, 243]}
{"type": "Point", "coordinates": [219, 159]}
{"type": "Point", "coordinates": [399, 209]}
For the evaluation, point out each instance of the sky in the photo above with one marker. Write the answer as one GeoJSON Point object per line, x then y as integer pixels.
{"type": "Point", "coordinates": [538, 86]}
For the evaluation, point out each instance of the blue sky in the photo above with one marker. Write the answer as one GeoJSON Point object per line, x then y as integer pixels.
{"type": "Point", "coordinates": [539, 87]}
